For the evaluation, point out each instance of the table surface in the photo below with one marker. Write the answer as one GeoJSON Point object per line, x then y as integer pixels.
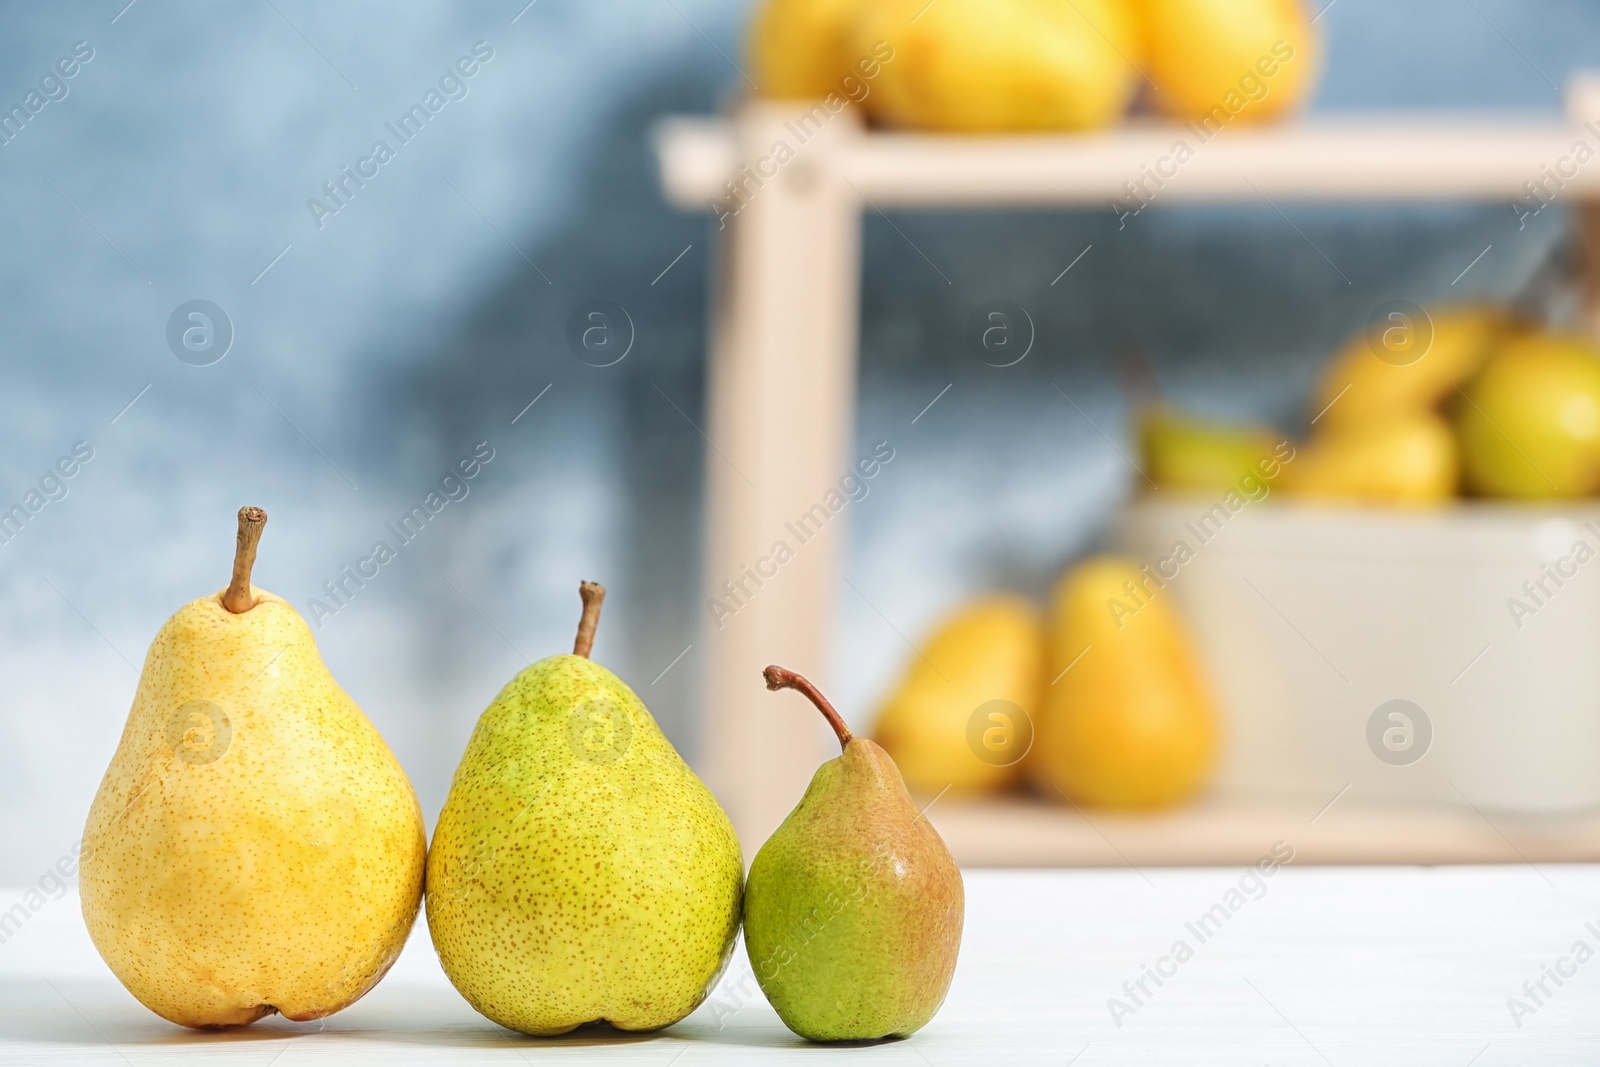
{"type": "Point", "coordinates": [1222, 830]}
{"type": "Point", "coordinates": [1329, 965]}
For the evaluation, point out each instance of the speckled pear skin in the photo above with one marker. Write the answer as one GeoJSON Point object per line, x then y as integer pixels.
{"type": "Point", "coordinates": [854, 906]}
{"type": "Point", "coordinates": [580, 871]}
{"type": "Point", "coordinates": [273, 863]}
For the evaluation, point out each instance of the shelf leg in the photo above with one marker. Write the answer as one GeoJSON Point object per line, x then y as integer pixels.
{"type": "Point", "coordinates": [781, 420]}
{"type": "Point", "coordinates": [1586, 217]}
{"type": "Point", "coordinates": [1582, 105]}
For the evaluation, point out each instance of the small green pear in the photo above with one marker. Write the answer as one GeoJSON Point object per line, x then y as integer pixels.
{"type": "Point", "coordinates": [1181, 451]}
{"type": "Point", "coordinates": [255, 848]}
{"type": "Point", "coordinates": [579, 871]}
{"type": "Point", "coordinates": [853, 909]}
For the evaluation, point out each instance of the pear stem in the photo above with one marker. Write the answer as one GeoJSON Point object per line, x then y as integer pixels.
{"type": "Point", "coordinates": [593, 594]}
{"type": "Point", "coordinates": [780, 678]}
{"type": "Point", "coordinates": [237, 597]}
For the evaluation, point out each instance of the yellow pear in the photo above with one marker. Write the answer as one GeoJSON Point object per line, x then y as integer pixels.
{"type": "Point", "coordinates": [1218, 62]}
{"type": "Point", "coordinates": [962, 715]}
{"type": "Point", "coordinates": [254, 847]}
{"type": "Point", "coordinates": [989, 65]}
{"type": "Point", "coordinates": [1406, 362]}
{"type": "Point", "coordinates": [800, 48]}
{"type": "Point", "coordinates": [1402, 459]}
{"type": "Point", "coordinates": [1128, 721]}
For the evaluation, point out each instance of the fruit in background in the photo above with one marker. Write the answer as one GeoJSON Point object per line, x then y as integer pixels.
{"type": "Point", "coordinates": [1529, 425]}
{"type": "Point", "coordinates": [254, 847]}
{"type": "Point", "coordinates": [1218, 62]}
{"type": "Point", "coordinates": [960, 718]}
{"type": "Point", "coordinates": [800, 48]}
{"type": "Point", "coordinates": [1182, 452]}
{"type": "Point", "coordinates": [1404, 363]}
{"type": "Point", "coordinates": [580, 872]}
{"type": "Point", "coordinates": [853, 912]}
{"type": "Point", "coordinates": [991, 65]}
{"type": "Point", "coordinates": [1131, 723]}
{"type": "Point", "coordinates": [1399, 459]}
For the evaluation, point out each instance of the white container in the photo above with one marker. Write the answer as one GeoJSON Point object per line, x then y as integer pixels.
{"type": "Point", "coordinates": [1308, 619]}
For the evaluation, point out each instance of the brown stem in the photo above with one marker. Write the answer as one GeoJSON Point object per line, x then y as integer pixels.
{"type": "Point", "coordinates": [779, 678]}
{"type": "Point", "coordinates": [593, 594]}
{"type": "Point", "coordinates": [237, 598]}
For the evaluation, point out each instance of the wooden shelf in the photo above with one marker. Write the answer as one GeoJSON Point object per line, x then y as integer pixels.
{"type": "Point", "coordinates": [1238, 831]}
{"type": "Point", "coordinates": [1394, 159]}
{"type": "Point", "coordinates": [785, 324]}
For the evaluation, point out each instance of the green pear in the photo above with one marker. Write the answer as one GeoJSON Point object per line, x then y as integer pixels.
{"type": "Point", "coordinates": [579, 871]}
{"type": "Point", "coordinates": [254, 847]}
{"type": "Point", "coordinates": [853, 911]}
{"type": "Point", "coordinates": [1529, 424]}
{"type": "Point", "coordinates": [1183, 452]}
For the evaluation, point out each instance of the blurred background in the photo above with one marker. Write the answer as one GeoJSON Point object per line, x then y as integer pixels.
{"type": "Point", "coordinates": [374, 346]}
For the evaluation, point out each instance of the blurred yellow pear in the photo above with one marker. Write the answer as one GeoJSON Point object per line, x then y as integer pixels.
{"type": "Point", "coordinates": [1408, 360]}
{"type": "Point", "coordinates": [989, 65]}
{"type": "Point", "coordinates": [1530, 424]}
{"type": "Point", "coordinates": [1131, 723]}
{"type": "Point", "coordinates": [962, 716]}
{"type": "Point", "coordinates": [799, 48]}
{"type": "Point", "coordinates": [1400, 459]}
{"type": "Point", "coordinates": [1222, 61]}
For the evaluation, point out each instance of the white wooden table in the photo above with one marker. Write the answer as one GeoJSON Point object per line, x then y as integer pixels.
{"type": "Point", "coordinates": [1399, 965]}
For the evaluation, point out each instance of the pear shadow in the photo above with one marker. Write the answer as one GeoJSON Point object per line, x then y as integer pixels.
{"type": "Point", "coordinates": [874, 1043]}
{"type": "Point", "coordinates": [489, 1035]}
{"type": "Point", "coordinates": [499, 1037]}
{"type": "Point", "coordinates": [276, 1029]}
{"type": "Point", "coordinates": [590, 1034]}
{"type": "Point", "coordinates": [780, 1037]}
{"type": "Point", "coordinates": [102, 1013]}
{"type": "Point", "coordinates": [81, 1012]}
